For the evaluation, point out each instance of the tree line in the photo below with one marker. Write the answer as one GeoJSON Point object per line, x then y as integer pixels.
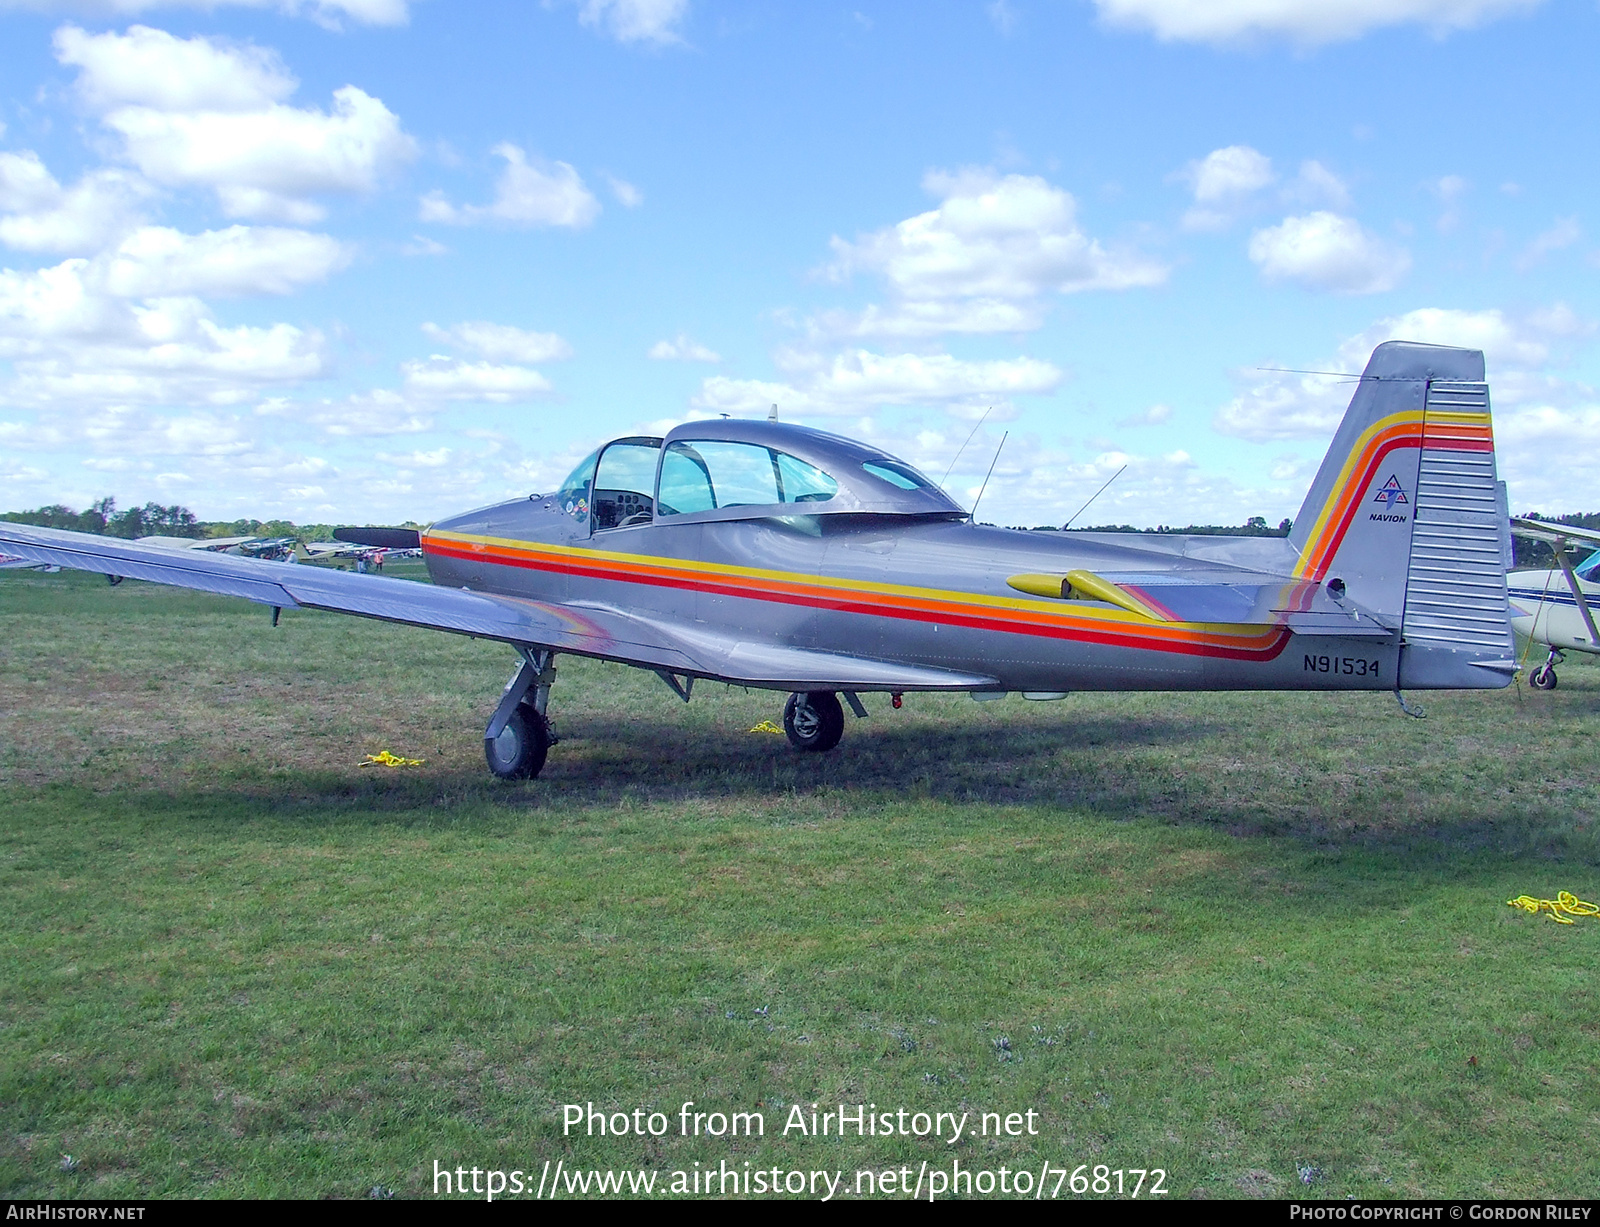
{"type": "Point", "coordinates": [154, 520]}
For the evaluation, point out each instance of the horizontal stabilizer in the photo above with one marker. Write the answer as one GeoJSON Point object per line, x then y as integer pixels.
{"type": "Point", "coordinates": [1553, 534]}
{"type": "Point", "coordinates": [1222, 597]}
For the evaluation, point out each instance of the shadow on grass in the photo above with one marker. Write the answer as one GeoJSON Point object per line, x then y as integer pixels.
{"type": "Point", "coordinates": [1367, 782]}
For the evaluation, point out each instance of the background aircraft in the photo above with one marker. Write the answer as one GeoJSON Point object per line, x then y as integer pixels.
{"type": "Point", "coordinates": [1554, 608]}
{"type": "Point", "coordinates": [776, 556]}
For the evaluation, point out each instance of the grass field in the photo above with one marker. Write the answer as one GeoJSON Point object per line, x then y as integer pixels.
{"type": "Point", "coordinates": [1250, 940]}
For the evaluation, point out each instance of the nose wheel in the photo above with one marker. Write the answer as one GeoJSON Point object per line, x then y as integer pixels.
{"type": "Point", "coordinates": [814, 720]}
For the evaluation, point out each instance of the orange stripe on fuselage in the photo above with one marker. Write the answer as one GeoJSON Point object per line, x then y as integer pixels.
{"type": "Point", "coordinates": [1115, 628]}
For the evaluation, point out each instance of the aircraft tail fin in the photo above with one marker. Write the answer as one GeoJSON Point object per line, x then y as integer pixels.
{"type": "Point", "coordinates": [1406, 511]}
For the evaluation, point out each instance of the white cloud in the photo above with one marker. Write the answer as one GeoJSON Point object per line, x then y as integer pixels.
{"type": "Point", "coordinates": [441, 378]}
{"type": "Point", "coordinates": [1564, 233]}
{"type": "Point", "coordinates": [1156, 415]}
{"type": "Point", "coordinates": [435, 459]}
{"type": "Point", "coordinates": [683, 349]}
{"type": "Point", "coordinates": [501, 342]}
{"type": "Point", "coordinates": [628, 196]}
{"type": "Point", "coordinates": [1224, 174]}
{"type": "Point", "coordinates": [151, 68]}
{"type": "Point", "coordinates": [1002, 14]}
{"type": "Point", "coordinates": [1221, 182]}
{"type": "Point", "coordinates": [38, 214]}
{"type": "Point", "coordinates": [636, 21]}
{"type": "Point", "coordinates": [979, 261]}
{"type": "Point", "coordinates": [72, 345]}
{"type": "Point", "coordinates": [1300, 21]}
{"type": "Point", "coordinates": [330, 13]}
{"type": "Point", "coordinates": [199, 112]}
{"type": "Point", "coordinates": [1449, 189]}
{"type": "Point", "coordinates": [157, 262]}
{"type": "Point", "coordinates": [1292, 405]}
{"type": "Point", "coordinates": [528, 194]}
{"type": "Point", "coordinates": [380, 412]}
{"type": "Point", "coordinates": [1317, 185]}
{"type": "Point", "coordinates": [1327, 252]}
{"type": "Point", "coordinates": [859, 381]}
{"type": "Point", "coordinates": [120, 432]}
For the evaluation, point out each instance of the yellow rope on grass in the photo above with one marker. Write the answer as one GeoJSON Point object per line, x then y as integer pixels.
{"type": "Point", "coordinates": [1560, 909]}
{"type": "Point", "coordinates": [766, 726]}
{"type": "Point", "coordinates": [384, 759]}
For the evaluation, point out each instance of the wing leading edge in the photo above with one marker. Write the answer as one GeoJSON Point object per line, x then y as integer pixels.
{"type": "Point", "coordinates": [597, 631]}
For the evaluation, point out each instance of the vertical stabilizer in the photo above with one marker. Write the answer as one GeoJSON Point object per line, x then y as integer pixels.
{"type": "Point", "coordinates": [1405, 510]}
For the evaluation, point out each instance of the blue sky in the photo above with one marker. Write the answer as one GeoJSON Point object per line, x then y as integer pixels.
{"type": "Point", "coordinates": [374, 260]}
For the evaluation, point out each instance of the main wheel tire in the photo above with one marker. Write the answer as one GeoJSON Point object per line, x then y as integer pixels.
{"type": "Point", "coordinates": [814, 721]}
{"type": "Point", "coordinates": [1543, 678]}
{"type": "Point", "coordinates": [520, 750]}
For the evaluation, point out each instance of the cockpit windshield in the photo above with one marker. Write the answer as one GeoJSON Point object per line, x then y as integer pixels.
{"type": "Point", "coordinates": [573, 497]}
{"type": "Point", "coordinates": [1589, 568]}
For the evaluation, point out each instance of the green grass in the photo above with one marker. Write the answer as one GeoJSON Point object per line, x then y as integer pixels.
{"type": "Point", "coordinates": [1230, 936]}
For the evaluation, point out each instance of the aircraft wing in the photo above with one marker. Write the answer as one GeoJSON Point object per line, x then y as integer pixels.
{"type": "Point", "coordinates": [1553, 534]}
{"type": "Point", "coordinates": [599, 631]}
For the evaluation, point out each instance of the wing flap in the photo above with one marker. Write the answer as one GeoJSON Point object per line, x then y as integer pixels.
{"type": "Point", "coordinates": [781, 667]}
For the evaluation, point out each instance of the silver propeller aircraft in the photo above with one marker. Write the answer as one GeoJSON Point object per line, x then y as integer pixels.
{"type": "Point", "coordinates": [771, 555]}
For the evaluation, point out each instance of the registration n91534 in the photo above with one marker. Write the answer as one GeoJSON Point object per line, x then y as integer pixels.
{"type": "Point", "coordinates": [1346, 666]}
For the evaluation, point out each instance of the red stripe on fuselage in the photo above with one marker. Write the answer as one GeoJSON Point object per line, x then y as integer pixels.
{"type": "Point", "coordinates": [1262, 647]}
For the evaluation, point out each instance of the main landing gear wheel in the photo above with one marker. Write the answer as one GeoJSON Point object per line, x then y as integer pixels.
{"type": "Point", "coordinates": [1543, 678]}
{"type": "Point", "coordinates": [520, 750]}
{"type": "Point", "coordinates": [813, 721]}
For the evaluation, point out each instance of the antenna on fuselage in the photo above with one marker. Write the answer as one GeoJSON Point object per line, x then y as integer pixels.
{"type": "Point", "coordinates": [963, 447]}
{"type": "Point", "coordinates": [772, 414]}
{"type": "Point", "coordinates": [1094, 496]}
{"type": "Point", "coordinates": [973, 518]}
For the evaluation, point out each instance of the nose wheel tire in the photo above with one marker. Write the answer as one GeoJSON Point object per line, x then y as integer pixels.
{"type": "Point", "coordinates": [814, 721]}
{"type": "Point", "coordinates": [1543, 678]}
{"type": "Point", "coordinates": [520, 750]}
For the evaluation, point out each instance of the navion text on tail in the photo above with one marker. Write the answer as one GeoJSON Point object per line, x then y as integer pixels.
{"type": "Point", "coordinates": [775, 556]}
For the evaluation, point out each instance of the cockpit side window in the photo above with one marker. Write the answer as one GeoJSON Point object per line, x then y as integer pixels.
{"type": "Point", "coordinates": [709, 474]}
{"type": "Point", "coordinates": [623, 482]}
{"type": "Point", "coordinates": [573, 497]}
{"type": "Point", "coordinates": [898, 473]}
{"type": "Point", "coordinates": [1589, 568]}
{"type": "Point", "coordinates": [803, 483]}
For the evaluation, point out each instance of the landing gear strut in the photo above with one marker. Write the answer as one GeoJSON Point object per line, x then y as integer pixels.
{"type": "Point", "coordinates": [814, 721]}
{"type": "Point", "coordinates": [519, 736]}
{"type": "Point", "coordinates": [1544, 677]}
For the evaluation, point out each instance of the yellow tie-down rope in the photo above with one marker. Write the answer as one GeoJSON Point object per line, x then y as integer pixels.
{"type": "Point", "coordinates": [1560, 909]}
{"type": "Point", "coordinates": [384, 759]}
{"type": "Point", "coordinates": [766, 726]}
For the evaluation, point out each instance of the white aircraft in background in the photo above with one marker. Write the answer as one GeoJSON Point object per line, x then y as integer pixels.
{"type": "Point", "coordinates": [1554, 607]}
{"type": "Point", "coordinates": [217, 545]}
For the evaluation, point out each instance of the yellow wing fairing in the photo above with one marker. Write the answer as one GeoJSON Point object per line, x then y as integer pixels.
{"type": "Point", "coordinates": [1080, 585]}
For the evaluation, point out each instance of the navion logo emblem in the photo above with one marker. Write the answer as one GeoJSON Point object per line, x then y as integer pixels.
{"type": "Point", "coordinates": [1391, 495]}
